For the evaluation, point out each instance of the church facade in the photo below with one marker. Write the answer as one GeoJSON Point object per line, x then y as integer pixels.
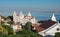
{"type": "Point", "coordinates": [23, 19]}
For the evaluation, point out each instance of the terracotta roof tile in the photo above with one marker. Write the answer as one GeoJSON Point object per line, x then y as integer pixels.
{"type": "Point", "coordinates": [39, 29]}
{"type": "Point", "coordinates": [45, 25]}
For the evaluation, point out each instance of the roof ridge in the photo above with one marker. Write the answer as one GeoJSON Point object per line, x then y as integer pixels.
{"type": "Point", "coordinates": [51, 27]}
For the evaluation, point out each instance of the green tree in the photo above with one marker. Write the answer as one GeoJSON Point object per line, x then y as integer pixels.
{"type": "Point", "coordinates": [8, 28]}
{"type": "Point", "coordinates": [10, 17]}
{"type": "Point", "coordinates": [28, 26]}
{"type": "Point", "coordinates": [28, 33]}
{"type": "Point", "coordinates": [3, 17]}
{"type": "Point", "coordinates": [3, 30]}
{"type": "Point", "coordinates": [10, 35]}
{"type": "Point", "coordinates": [57, 34]}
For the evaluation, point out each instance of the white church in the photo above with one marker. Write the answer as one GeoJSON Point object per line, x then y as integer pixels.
{"type": "Point", "coordinates": [50, 27]}
{"type": "Point", "coordinates": [23, 19]}
{"type": "Point", "coordinates": [20, 20]}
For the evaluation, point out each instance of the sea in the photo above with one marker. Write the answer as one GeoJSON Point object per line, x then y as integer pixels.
{"type": "Point", "coordinates": [37, 15]}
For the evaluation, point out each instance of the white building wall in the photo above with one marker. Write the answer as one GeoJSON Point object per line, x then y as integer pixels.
{"type": "Point", "coordinates": [51, 31]}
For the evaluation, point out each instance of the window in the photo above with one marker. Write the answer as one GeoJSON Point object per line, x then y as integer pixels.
{"type": "Point", "coordinates": [58, 29]}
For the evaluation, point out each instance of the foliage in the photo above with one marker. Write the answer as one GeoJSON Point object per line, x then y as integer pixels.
{"type": "Point", "coordinates": [10, 22]}
{"type": "Point", "coordinates": [57, 34]}
{"type": "Point", "coordinates": [8, 28]}
{"type": "Point", "coordinates": [10, 17]}
{"type": "Point", "coordinates": [3, 17]}
{"type": "Point", "coordinates": [28, 26]}
{"type": "Point", "coordinates": [3, 30]}
{"type": "Point", "coordinates": [1, 34]}
{"type": "Point", "coordinates": [24, 33]}
{"type": "Point", "coordinates": [10, 35]}
{"type": "Point", "coordinates": [28, 33]}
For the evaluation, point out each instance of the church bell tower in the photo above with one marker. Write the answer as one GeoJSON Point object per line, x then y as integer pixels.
{"type": "Point", "coordinates": [53, 18]}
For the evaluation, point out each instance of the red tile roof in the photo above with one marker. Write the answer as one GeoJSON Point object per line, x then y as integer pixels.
{"type": "Point", "coordinates": [45, 25]}
{"type": "Point", "coordinates": [39, 29]}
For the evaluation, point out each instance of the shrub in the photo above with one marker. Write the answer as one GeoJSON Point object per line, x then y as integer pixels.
{"type": "Point", "coordinates": [28, 26]}
{"type": "Point", "coordinates": [3, 30]}
{"type": "Point", "coordinates": [8, 28]}
{"type": "Point", "coordinates": [28, 33]}
{"type": "Point", "coordinates": [57, 34]}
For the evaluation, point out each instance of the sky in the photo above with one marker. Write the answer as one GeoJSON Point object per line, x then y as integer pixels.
{"type": "Point", "coordinates": [8, 6]}
{"type": "Point", "coordinates": [34, 5]}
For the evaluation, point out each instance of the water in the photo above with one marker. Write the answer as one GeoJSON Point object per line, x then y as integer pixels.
{"type": "Point", "coordinates": [37, 15]}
